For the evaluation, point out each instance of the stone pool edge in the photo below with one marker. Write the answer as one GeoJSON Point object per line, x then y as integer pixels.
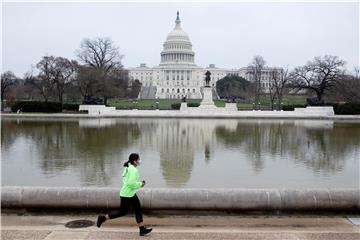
{"type": "Point", "coordinates": [178, 114]}
{"type": "Point", "coordinates": [182, 199]}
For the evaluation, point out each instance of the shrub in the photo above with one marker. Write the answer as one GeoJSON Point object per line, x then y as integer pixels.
{"type": "Point", "coordinates": [292, 107]}
{"type": "Point", "coordinates": [175, 106]}
{"type": "Point", "coordinates": [347, 108]}
{"type": "Point", "coordinates": [36, 106]}
{"type": "Point", "coordinates": [193, 104]}
{"type": "Point", "coordinates": [70, 107]}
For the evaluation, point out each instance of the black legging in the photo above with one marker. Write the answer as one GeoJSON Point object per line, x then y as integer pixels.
{"type": "Point", "coordinates": [125, 203]}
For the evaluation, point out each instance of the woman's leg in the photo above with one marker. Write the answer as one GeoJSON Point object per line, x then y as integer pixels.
{"type": "Point", "coordinates": [124, 208]}
{"type": "Point", "coordinates": [135, 202]}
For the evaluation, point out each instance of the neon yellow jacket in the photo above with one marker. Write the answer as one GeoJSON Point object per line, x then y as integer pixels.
{"type": "Point", "coordinates": [131, 181]}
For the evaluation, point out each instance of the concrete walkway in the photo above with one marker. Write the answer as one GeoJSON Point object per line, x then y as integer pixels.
{"type": "Point", "coordinates": [184, 227]}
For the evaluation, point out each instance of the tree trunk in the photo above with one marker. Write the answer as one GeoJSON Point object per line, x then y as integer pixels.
{"type": "Point", "coordinates": [319, 97]}
{"type": "Point", "coordinates": [279, 102]}
{"type": "Point", "coordinates": [61, 99]}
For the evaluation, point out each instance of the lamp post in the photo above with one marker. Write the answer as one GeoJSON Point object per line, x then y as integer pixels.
{"type": "Point", "coordinates": [259, 106]}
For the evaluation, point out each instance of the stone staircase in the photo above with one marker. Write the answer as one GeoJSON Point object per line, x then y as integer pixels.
{"type": "Point", "coordinates": [147, 92]}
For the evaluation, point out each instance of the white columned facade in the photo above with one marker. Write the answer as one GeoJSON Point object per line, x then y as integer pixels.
{"type": "Point", "coordinates": [178, 76]}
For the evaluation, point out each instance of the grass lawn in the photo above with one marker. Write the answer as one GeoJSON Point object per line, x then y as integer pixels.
{"type": "Point", "coordinates": [166, 103]}
{"type": "Point", "coordinates": [151, 103]}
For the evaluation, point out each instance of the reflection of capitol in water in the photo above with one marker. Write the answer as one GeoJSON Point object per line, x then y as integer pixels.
{"type": "Point", "coordinates": [182, 152]}
{"type": "Point", "coordinates": [178, 141]}
{"type": "Point", "coordinates": [97, 122]}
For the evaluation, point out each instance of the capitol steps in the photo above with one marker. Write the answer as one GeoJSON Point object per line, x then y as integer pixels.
{"type": "Point", "coordinates": [147, 92]}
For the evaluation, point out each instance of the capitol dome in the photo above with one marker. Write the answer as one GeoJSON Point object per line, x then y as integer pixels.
{"type": "Point", "coordinates": [177, 48]}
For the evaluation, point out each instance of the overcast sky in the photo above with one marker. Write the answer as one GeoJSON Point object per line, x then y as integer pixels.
{"type": "Point", "coordinates": [226, 34]}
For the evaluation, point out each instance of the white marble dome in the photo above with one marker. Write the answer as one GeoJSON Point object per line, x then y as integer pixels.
{"type": "Point", "coordinates": [177, 48]}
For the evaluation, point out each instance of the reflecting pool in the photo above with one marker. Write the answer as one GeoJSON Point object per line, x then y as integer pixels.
{"type": "Point", "coordinates": [190, 153]}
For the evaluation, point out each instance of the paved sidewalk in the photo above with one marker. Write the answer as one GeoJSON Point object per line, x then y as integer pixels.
{"type": "Point", "coordinates": [183, 227]}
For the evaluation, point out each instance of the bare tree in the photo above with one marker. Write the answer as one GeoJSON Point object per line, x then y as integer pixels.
{"type": "Point", "coordinates": [279, 81]}
{"type": "Point", "coordinates": [8, 79]}
{"type": "Point", "coordinates": [318, 75]}
{"type": "Point", "coordinates": [255, 69]}
{"type": "Point", "coordinates": [54, 75]}
{"type": "Point", "coordinates": [348, 87]}
{"type": "Point", "coordinates": [100, 55]}
{"type": "Point", "coordinates": [89, 81]}
{"type": "Point", "coordinates": [30, 90]}
{"type": "Point", "coordinates": [272, 88]}
{"type": "Point", "coordinates": [44, 81]}
{"type": "Point", "coordinates": [357, 72]}
{"type": "Point", "coordinates": [65, 71]}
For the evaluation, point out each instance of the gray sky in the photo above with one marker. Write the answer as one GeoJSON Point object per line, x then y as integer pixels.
{"type": "Point", "coordinates": [226, 34]}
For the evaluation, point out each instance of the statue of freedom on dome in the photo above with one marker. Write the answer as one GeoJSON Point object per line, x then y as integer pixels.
{"type": "Point", "coordinates": [207, 79]}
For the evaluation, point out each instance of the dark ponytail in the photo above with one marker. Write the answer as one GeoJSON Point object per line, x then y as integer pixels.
{"type": "Point", "coordinates": [132, 158]}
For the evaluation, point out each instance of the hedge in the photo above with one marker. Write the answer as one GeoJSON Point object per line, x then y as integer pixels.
{"type": "Point", "coordinates": [175, 106]}
{"type": "Point", "coordinates": [292, 107]}
{"type": "Point", "coordinates": [70, 107]}
{"type": "Point", "coordinates": [46, 107]}
{"type": "Point", "coordinates": [193, 104]}
{"type": "Point", "coordinates": [347, 108]}
{"type": "Point", "coordinates": [37, 106]}
{"type": "Point", "coordinates": [339, 109]}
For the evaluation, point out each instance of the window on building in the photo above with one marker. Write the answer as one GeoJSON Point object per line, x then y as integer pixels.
{"type": "Point", "coordinates": [162, 90]}
{"type": "Point", "coordinates": [194, 90]}
{"type": "Point", "coordinates": [178, 90]}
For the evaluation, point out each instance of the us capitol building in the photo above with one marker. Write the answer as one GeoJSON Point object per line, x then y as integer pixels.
{"type": "Point", "coordinates": [177, 75]}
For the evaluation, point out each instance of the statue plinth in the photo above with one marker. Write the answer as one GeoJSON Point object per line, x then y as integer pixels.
{"type": "Point", "coordinates": [207, 100]}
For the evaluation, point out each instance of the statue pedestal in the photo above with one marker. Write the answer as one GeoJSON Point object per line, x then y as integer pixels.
{"type": "Point", "coordinates": [207, 100]}
{"type": "Point", "coordinates": [183, 106]}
